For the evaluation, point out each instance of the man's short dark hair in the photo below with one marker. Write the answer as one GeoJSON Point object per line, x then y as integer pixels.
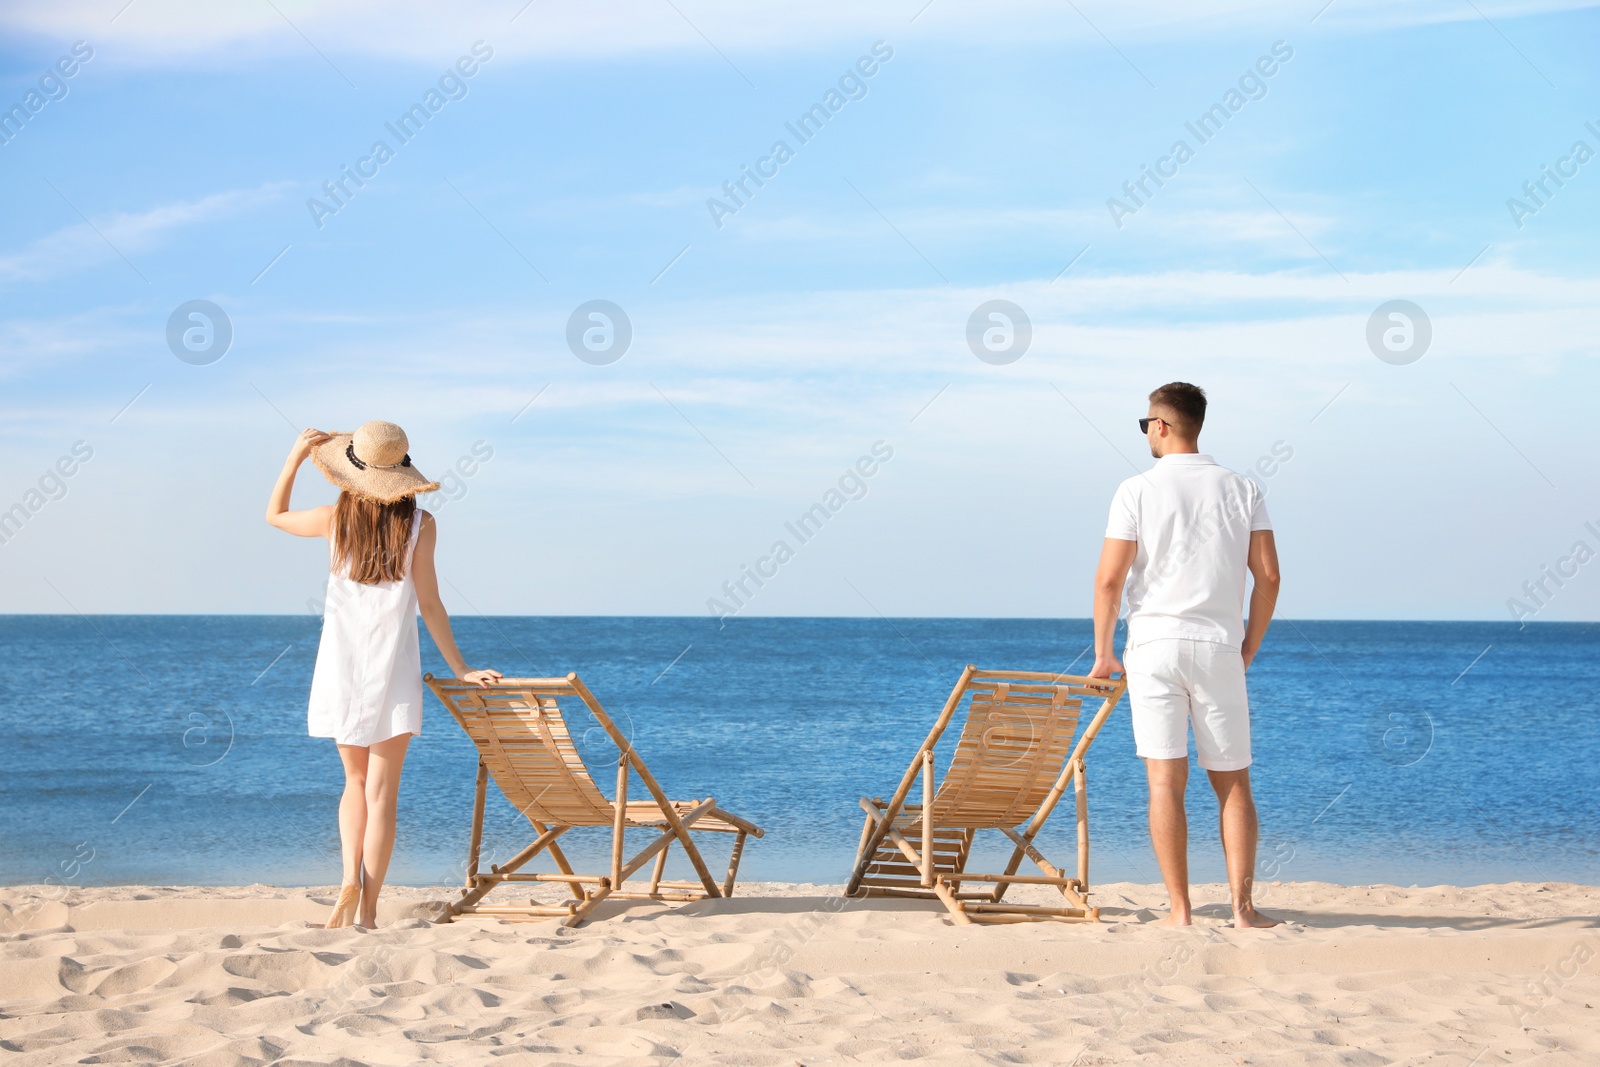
{"type": "Point", "coordinates": [1186, 401]}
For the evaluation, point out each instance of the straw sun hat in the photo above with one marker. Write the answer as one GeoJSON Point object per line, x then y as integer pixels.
{"type": "Point", "coordinates": [372, 462]}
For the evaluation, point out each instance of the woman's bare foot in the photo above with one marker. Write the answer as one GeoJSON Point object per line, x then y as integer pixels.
{"type": "Point", "coordinates": [344, 909]}
{"type": "Point", "coordinates": [1248, 918]}
{"type": "Point", "coordinates": [1174, 919]}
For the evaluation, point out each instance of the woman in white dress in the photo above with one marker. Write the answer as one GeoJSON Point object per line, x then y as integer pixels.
{"type": "Point", "coordinates": [366, 692]}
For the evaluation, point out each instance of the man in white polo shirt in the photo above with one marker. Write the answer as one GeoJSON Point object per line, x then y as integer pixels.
{"type": "Point", "coordinates": [1181, 537]}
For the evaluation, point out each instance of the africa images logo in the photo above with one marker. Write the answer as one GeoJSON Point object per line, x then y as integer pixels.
{"type": "Point", "coordinates": [852, 85]}
{"type": "Point", "coordinates": [452, 85]}
{"type": "Point", "coordinates": [1252, 85]}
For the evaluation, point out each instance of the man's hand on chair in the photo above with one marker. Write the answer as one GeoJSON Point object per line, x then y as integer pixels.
{"type": "Point", "coordinates": [1105, 666]}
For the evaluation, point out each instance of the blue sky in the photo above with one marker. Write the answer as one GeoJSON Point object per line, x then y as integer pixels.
{"type": "Point", "coordinates": [828, 313]}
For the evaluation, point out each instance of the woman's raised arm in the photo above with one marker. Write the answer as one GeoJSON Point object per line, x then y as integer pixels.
{"type": "Point", "coordinates": [310, 523]}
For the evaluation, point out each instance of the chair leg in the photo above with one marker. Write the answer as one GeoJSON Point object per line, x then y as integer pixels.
{"type": "Point", "coordinates": [1023, 844]}
{"type": "Point", "coordinates": [1011, 868]}
{"type": "Point", "coordinates": [619, 825]}
{"type": "Point", "coordinates": [660, 869]}
{"type": "Point", "coordinates": [692, 850]}
{"type": "Point", "coordinates": [475, 845]}
{"type": "Point", "coordinates": [873, 833]}
{"type": "Point", "coordinates": [927, 817]}
{"type": "Point", "coordinates": [866, 830]}
{"type": "Point", "coordinates": [1081, 791]}
{"type": "Point", "coordinates": [962, 854]}
{"type": "Point", "coordinates": [957, 910]}
{"type": "Point", "coordinates": [564, 867]}
{"type": "Point", "coordinates": [595, 896]}
{"type": "Point", "coordinates": [733, 863]}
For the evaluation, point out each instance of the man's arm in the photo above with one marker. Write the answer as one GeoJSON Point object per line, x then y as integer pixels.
{"type": "Point", "coordinates": [1116, 558]}
{"type": "Point", "coordinates": [1263, 562]}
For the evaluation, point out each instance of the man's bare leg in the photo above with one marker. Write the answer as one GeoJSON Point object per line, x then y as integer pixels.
{"type": "Point", "coordinates": [1237, 816]}
{"type": "Point", "coordinates": [1169, 832]}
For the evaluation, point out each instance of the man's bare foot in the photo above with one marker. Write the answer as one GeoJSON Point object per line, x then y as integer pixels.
{"type": "Point", "coordinates": [1174, 919]}
{"type": "Point", "coordinates": [1248, 918]}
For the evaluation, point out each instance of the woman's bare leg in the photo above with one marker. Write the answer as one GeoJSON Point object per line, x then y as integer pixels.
{"type": "Point", "coordinates": [352, 830]}
{"type": "Point", "coordinates": [382, 793]}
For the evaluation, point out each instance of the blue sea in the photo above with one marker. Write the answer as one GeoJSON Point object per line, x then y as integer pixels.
{"type": "Point", "coordinates": [173, 750]}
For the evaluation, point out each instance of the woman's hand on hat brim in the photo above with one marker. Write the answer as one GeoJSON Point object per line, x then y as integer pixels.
{"type": "Point", "coordinates": [307, 440]}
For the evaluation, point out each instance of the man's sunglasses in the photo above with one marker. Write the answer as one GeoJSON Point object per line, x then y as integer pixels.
{"type": "Point", "coordinates": [1144, 424]}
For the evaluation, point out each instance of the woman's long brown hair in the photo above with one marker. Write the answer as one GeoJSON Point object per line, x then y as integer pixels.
{"type": "Point", "coordinates": [370, 538]}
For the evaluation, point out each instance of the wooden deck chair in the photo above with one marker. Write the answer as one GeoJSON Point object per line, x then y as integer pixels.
{"type": "Point", "coordinates": [1015, 759]}
{"type": "Point", "coordinates": [525, 746]}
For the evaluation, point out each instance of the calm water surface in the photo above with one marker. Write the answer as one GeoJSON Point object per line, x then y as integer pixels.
{"type": "Point", "coordinates": [173, 750]}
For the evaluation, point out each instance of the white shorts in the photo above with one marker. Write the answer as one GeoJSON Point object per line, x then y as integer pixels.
{"type": "Point", "coordinates": [1176, 681]}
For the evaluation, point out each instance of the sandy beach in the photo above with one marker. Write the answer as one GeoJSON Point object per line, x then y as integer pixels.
{"type": "Point", "coordinates": [789, 974]}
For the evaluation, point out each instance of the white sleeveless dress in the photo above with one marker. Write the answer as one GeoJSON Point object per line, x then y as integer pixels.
{"type": "Point", "coordinates": [367, 686]}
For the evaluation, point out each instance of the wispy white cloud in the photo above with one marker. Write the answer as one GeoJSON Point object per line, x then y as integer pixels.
{"type": "Point", "coordinates": [1263, 230]}
{"type": "Point", "coordinates": [103, 237]}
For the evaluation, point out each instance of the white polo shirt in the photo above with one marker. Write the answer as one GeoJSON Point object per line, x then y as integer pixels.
{"type": "Point", "coordinates": [1192, 520]}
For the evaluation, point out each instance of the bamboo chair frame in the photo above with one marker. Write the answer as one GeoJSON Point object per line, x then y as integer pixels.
{"type": "Point", "coordinates": [996, 781]}
{"type": "Point", "coordinates": [524, 745]}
